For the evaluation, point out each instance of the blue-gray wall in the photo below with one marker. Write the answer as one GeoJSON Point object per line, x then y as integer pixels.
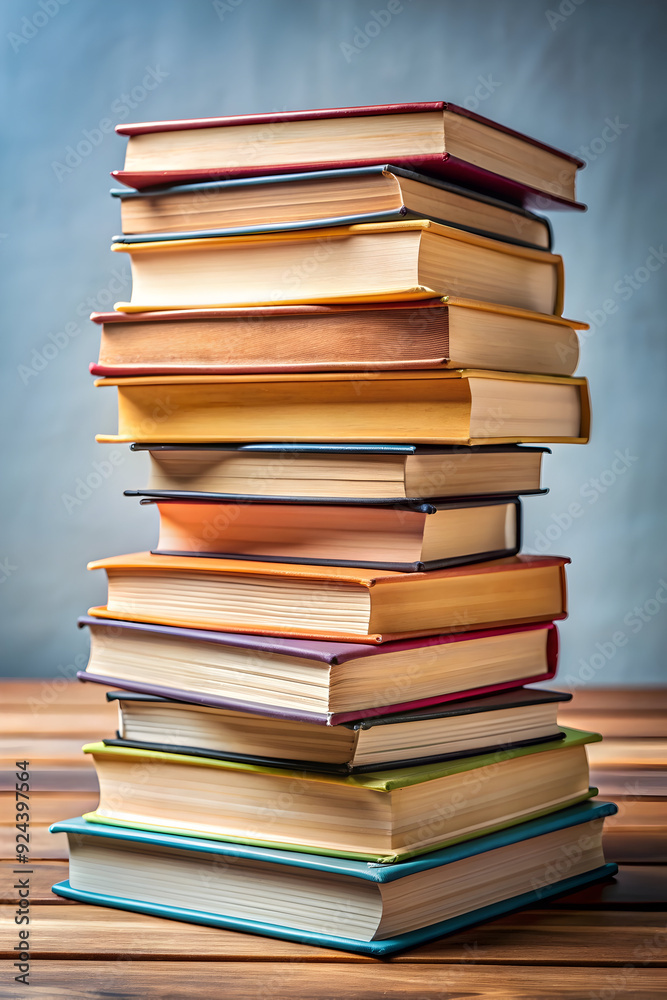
{"type": "Point", "coordinates": [585, 75]}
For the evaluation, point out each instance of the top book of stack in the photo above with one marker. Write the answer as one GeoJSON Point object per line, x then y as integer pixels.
{"type": "Point", "coordinates": [436, 138]}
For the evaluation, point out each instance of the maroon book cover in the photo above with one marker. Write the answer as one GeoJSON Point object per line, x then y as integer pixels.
{"type": "Point", "coordinates": [442, 164]}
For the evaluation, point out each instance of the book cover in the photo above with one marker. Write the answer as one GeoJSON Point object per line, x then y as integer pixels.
{"type": "Point", "coordinates": [487, 276]}
{"type": "Point", "coordinates": [438, 585]}
{"type": "Point", "coordinates": [418, 566]}
{"type": "Point", "coordinates": [282, 712]}
{"type": "Point", "coordinates": [285, 450]}
{"type": "Point", "coordinates": [208, 187]}
{"type": "Point", "coordinates": [440, 164]}
{"type": "Point", "coordinates": [339, 336]}
{"type": "Point", "coordinates": [323, 790]}
{"type": "Point", "coordinates": [379, 874]}
{"type": "Point", "coordinates": [319, 766]}
{"type": "Point", "coordinates": [426, 407]}
{"type": "Point", "coordinates": [467, 706]}
{"type": "Point", "coordinates": [377, 781]}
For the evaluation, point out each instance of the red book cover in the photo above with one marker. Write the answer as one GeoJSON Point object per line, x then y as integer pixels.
{"type": "Point", "coordinates": [443, 164]}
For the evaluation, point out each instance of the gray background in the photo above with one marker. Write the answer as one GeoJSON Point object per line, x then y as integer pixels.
{"type": "Point", "coordinates": [558, 72]}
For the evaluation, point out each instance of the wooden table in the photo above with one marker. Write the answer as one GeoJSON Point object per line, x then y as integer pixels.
{"type": "Point", "coordinates": [606, 943]}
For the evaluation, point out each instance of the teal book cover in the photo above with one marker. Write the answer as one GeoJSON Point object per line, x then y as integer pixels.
{"type": "Point", "coordinates": [346, 868]}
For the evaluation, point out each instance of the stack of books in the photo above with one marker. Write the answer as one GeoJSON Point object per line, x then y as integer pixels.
{"type": "Point", "coordinates": [343, 326]}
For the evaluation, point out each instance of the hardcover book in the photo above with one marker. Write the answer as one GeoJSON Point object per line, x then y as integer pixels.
{"type": "Point", "coordinates": [434, 408]}
{"type": "Point", "coordinates": [441, 732]}
{"type": "Point", "coordinates": [334, 902]}
{"type": "Point", "coordinates": [437, 138]}
{"type": "Point", "coordinates": [428, 333]}
{"type": "Point", "coordinates": [369, 262]}
{"type": "Point", "coordinates": [315, 681]}
{"type": "Point", "coordinates": [332, 602]}
{"type": "Point", "coordinates": [320, 198]}
{"type": "Point", "coordinates": [423, 538]}
{"type": "Point", "coordinates": [376, 816]}
{"type": "Point", "coordinates": [339, 473]}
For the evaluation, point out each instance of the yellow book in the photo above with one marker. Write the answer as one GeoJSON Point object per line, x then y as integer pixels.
{"type": "Point", "coordinates": [423, 407]}
{"type": "Point", "coordinates": [367, 262]}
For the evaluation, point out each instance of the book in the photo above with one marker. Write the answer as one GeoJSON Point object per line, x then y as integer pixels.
{"type": "Point", "coordinates": [425, 407]}
{"type": "Point", "coordinates": [330, 602]}
{"type": "Point", "coordinates": [429, 333]}
{"type": "Point", "coordinates": [379, 816]}
{"type": "Point", "coordinates": [315, 681]}
{"type": "Point", "coordinates": [344, 473]}
{"type": "Point", "coordinates": [323, 197]}
{"type": "Point", "coordinates": [443, 732]}
{"type": "Point", "coordinates": [437, 138]}
{"type": "Point", "coordinates": [408, 540]}
{"type": "Point", "coordinates": [336, 903]}
{"type": "Point", "coordinates": [368, 262]}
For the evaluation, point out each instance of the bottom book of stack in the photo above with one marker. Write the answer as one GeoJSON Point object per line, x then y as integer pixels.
{"type": "Point", "coordinates": [349, 904]}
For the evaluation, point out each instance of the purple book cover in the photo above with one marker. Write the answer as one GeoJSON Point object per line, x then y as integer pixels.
{"type": "Point", "coordinates": [321, 651]}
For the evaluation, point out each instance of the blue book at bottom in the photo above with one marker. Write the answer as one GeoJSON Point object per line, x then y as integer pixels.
{"type": "Point", "coordinates": [356, 906]}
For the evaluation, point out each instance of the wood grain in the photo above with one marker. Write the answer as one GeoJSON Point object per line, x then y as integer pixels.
{"type": "Point", "coordinates": [43, 875]}
{"type": "Point", "coordinates": [607, 941]}
{"type": "Point", "coordinates": [43, 845]}
{"type": "Point", "coordinates": [140, 980]}
{"type": "Point", "coordinates": [533, 937]}
{"type": "Point", "coordinates": [617, 701]}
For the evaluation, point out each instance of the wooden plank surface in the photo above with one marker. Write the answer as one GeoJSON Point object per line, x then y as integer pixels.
{"type": "Point", "coordinates": [139, 980]}
{"type": "Point", "coordinates": [628, 753]}
{"type": "Point", "coordinates": [43, 874]}
{"type": "Point", "coordinates": [618, 714]}
{"type": "Point", "coordinates": [534, 937]}
{"type": "Point", "coordinates": [43, 845]}
{"type": "Point", "coordinates": [617, 701]}
{"type": "Point", "coordinates": [607, 941]}
{"type": "Point", "coordinates": [47, 752]}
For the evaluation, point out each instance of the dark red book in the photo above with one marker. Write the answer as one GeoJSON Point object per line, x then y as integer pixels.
{"type": "Point", "coordinates": [436, 138]}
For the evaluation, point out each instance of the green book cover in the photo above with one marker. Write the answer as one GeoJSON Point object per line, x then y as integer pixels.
{"type": "Point", "coordinates": [383, 781]}
{"type": "Point", "coordinates": [378, 781]}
